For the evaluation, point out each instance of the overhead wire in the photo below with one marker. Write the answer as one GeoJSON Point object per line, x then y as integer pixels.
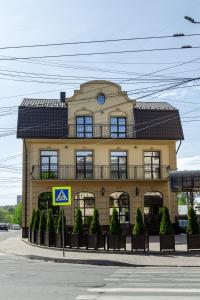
{"type": "Point", "coordinates": [178, 35]}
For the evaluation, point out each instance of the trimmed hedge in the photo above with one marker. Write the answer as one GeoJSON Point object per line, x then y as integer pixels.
{"type": "Point", "coordinates": [43, 221]}
{"type": "Point", "coordinates": [166, 225]}
{"type": "Point", "coordinates": [78, 226]}
{"type": "Point", "coordinates": [36, 220]}
{"type": "Point", "coordinates": [95, 227]}
{"type": "Point", "coordinates": [50, 222]}
{"type": "Point", "coordinates": [193, 227]}
{"type": "Point", "coordinates": [138, 228]}
{"type": "Point", "coordinates": [32, 219]}
{"type": "Point", "coordinates": [114, 223]}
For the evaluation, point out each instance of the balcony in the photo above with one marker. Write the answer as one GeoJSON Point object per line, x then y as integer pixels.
{"type": "Point", "coordinates": [63, 172]}
{"type": "Point", "coordinates": [101, 131]}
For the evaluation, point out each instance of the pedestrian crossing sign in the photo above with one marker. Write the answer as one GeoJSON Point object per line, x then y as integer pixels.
{"type": "Point", "coordinates": [62, 196]}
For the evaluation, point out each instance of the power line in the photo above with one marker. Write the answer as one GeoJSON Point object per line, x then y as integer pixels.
{"type": "Point", "coordinates": [101, 41]}
{"type": "Point", "coordinates": [98, 53]}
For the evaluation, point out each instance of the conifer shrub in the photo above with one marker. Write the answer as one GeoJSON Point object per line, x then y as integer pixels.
{"type": "Point", "coordinates": [193, 227]}
{"type": "Point", "coordinates": [138, 228]}
{"type": "Point", "coordinates": [59, 227]}
{"type": "Point", "coordinates": [114, 222]}
{"type": "Point", "coordinates": [95, 227]}
{"type": "Point", "coordinates": [78, 225]}
{"type": "Point", "coordinates": [50, 221]}
{"type": "Point", "coordinates": [32, 219]}
{"type": "Point", "coordinates": [166, 225]}
{"type": "Point", "coordinates": [43, 222]}
{"type": "Point", "coordinates": [36, 220]}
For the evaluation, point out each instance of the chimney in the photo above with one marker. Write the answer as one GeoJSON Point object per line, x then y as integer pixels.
{"type": "Point", "coordinates": [62, 97]}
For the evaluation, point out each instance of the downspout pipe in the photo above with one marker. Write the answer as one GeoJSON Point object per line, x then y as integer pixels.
{"type": "Point", "coordinates": [179, 146]}
{"type": "Point", "coordinates": [25, 229]}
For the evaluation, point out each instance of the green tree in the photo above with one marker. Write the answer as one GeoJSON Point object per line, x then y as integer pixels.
{"type": "Point", "coordinates": [95, 225]}
{"type": "Point", "coordinates": [17, 218]}
{"type": "Point", "coordinates": [166, 225]}
{"type": "Point", "coordinates": [43, 221]}
{"type": "Point", "coordinates": [32, 219]}
{"type": "Point", "coordinates": [193, 227]}
{"type": "Point", "coordinates": [78, 225]}
{"type": "Point", "coordinates": [138, 228]}
{"type": "Point", "coordinates": [50, 221]}
{"type": "Point", "coordinates": [59, 227]}
{"type": "Point", "coordinates": [5, 216]}
{"type": "Point", "coordinates": [182, 200]}
{"type": "Point", "coordinates": [114, 222]}
{"type": "Point", "coordinates": [36, 220]}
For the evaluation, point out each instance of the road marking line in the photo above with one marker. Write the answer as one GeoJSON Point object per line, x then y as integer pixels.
{"type": "Point", "coordinates": [140, 297]}
{"type": "Point", "coordinates": [143, 290]}
{"type": "Point", "coordinates": [86, 297]}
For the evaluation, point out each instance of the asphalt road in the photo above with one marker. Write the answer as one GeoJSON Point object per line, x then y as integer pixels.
{"type": "Point", "coordinates": [21, 278]}
{"type": "Point", "coordinates": [6, 234]}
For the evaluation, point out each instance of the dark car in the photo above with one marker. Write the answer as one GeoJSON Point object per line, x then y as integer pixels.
{"type": "Point", "coordinates": [3, 226]}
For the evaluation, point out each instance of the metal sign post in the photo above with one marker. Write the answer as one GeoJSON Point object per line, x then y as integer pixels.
{"type": "Point", "coordinates": [62, 197]}
{"type": "Point", "coordinates": [63, 233]}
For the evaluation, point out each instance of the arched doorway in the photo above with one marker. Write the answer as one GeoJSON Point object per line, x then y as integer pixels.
{"type": "Point", "coordinates": [153, 202]}
{"type": "Point", "coordinates": [45, 202]}
{"type": "Point", "coordinates": [86, 202]}
{"type": "Point", "coordinates": [121, 201]}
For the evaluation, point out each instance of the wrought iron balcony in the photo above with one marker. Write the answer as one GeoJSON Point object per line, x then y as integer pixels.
{"type": "Point", "coordinates": [101, 131]}
{"type": "Point", "coordinates": [63, 172]}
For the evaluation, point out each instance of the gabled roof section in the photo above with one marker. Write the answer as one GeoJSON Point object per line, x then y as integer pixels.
{"type": "Point", "coordinates": [29, 102]}
{"type": "Point", "coordinates": [42, 118]}
{"type": "Point", "coordinates": [157, 120]}
{"type": "Point", "coordinates": [154, 105]}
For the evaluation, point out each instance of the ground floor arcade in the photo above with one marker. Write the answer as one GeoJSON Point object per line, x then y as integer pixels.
{"type": "Point", "coordinates": [126, 196]}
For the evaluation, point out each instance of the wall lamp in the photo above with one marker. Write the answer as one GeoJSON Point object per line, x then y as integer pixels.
{"type": "Point", "coordinates": [103, 191]}
{"type": "Point", "coordinates": [136, 191]}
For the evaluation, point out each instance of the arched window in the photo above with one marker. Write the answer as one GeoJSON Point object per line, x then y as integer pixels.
{"type": "Point", "coordinates": [120, 200]}
{"type": "Point", "coordinates": [45, 202]}
{"type": "Point", "coordinates": [86, 202]}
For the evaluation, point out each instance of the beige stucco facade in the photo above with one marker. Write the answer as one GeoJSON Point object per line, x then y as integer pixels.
{"type": "Point", "coordinates": [84, 103]}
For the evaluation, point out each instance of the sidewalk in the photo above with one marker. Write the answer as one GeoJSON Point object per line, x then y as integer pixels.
{"type": "Point", "coordinates": [17, 246]}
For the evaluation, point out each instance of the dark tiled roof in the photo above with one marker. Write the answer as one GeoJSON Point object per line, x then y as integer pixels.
{"type": "Point", "coordinates": [42, 121]}
{"type": "Point", "coordinates": [158, 124]}
{"type": "Point", "coordinates": [154, 105]}
{"type": "Point", "coordinates": [28, 102]}
{"type": "Point", "coordinates": [48, 118]}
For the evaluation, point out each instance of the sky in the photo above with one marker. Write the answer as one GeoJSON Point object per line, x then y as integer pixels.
{"type": "Point", "coordinates": [47, 21]}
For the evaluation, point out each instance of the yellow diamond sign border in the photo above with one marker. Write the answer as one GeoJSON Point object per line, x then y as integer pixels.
{"type": "Point", "coordinates": [69, 189]}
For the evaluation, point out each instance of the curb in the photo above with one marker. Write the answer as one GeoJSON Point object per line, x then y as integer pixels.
{"type": "Point", "coordinates": [102, 262]}
{"type": "Point", "coordinates": [121, 252]}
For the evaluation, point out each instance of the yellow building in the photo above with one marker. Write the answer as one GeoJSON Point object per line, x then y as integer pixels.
{"type": "Point", "coordinates": [112, 151]}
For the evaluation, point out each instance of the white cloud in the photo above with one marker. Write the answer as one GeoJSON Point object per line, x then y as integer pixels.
{"type": "Point", "coordinates": [189, 163]}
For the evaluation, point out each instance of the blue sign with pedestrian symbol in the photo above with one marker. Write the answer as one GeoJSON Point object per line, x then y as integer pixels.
{"type": "Point", "coordinates": [61, 195]}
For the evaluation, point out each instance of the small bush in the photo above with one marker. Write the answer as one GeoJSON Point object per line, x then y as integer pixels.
{"type": "Point", "coordinates": [138, 228]}
{"type": "Point", "coordinates": [166, 225]}
{"type": "Point", "coordinates": [50, 221]}
{"type": "Point", "coordinates": [193, 227]}
{"type": "Point", "coordinates": [36, 220]}
{"type": "Point", "coordinates": [59, 227]}
{"type": "Point", "coordinates": [43, 221]}
{"type": "Point", "coordinates": [32, 219]}
{"type": "Point", "coordinates": [114, 222]}
{"type": "Point", "coordinates": [78, 226]}
{"type": "Point", "coordinates": [95, 227]}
